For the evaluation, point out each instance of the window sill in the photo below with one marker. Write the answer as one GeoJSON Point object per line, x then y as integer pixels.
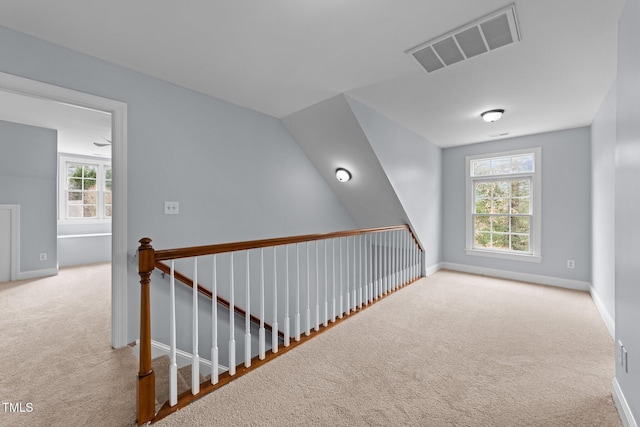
{"type": "Point", "coordinates": [504, 255]}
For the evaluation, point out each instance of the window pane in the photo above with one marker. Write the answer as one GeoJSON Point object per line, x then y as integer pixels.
{"type": "Point", "coordinates": [484, 190]}
{"type": "Point", "coordinates": [520, 188]}
{"type": "Point", "coordinates": [483, 223]}
{"type": "Point", "coordinates": [482, 240]}
{"type": "Point", "coordinates": [520, 206]}
{"type": "Point", "coordinates": [520, 243]}
{"type": "Point", "coordinates": [501, 224]}
{"type": "Point", "coordinates": [520, 224]}
{"type": "Point", "coordinates": [89, 211]}
{"type": "Point", "coordinates": [107, 183]}
{"type": "Point", "coordinates": [89, 184]}
{"type": "Point", "coordinates": [74, 211]}
{"type": "Point", "coordinates": [501, 166]}
{"type": "Point", "coordinates": [522, 163]}
{"type": "Point", "coordinates": [483, 206]}
{"type": "Point", "coordinates": [501, 189]}
{"type": "Point", "coordinates": [90, 171]}
{"type": "Point", "coordinates": [501, 241]}
{"type": "Point", "coordinates": [90, 197]}
{"type": "Point", "coordinates": [107, 198]}
{"type": "Point", "coordinates": [74, 195]}
{"type": "Point", "coordinates": [501, 206]}
{"type": "Point", "coordinates": [107, 211]}
{"type": "Point", "coordinates": [480, 167]}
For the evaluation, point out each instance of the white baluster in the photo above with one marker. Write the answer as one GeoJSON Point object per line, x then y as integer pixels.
{"type": "Point", "coordinates": [195, 363]}
{"type": "Point", "coordinates": [353, 302]}
{"type": "Point", "coordinates": [333, 263]}
{"type": "Point", "coordinates": [374, 265]}
{"type": "Point", "coordinates": [348, 282]}
{"type": "Point", "coordinates": [247, 320]}
{"type": "Point", "coordinates": [232, 329]}
{"type": "Point", "coordinates": [274, 326]}
{"type": "Point", "coordinates": [381, 264]}
{"type": "Point", "coordinates": [387, 263]}
{"type": "Point", "coordinates": [297, 331]}
{"type": "Point", "coordinates": [215, 358]}
{"type": "Point", "coordinates": [307, 331]}
{"type": "Point", "coordinates": [173, 366]}
{"type": "Point", "coordinates": [325, 320]}
{"type": "Point", "coordinates": [395, 260]}
{"type": "Point", "coordinates": [287, 330]}
{"type": "Point", "coordinates": [317, 291]}
{"type": "Point", "coordinates": [261, 333]}
{"type": "Point", "coordinates": [361, 278]}
{"type": "Point", "coordinates": [341, 296]}
{"type": "Point", "coordinates": [366, 272]}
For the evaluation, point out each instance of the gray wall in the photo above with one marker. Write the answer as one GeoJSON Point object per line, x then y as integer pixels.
{"type": "Point", "coordinates": [566, 204]}
{"type": "Point", "coordinates": [28, 167]}
{"type": "Point", "coordinates": [414, 168]}
{"type": "Point", "coordinates": [603, 145]}
{"type": "Point", "coordinates": [628, 203]}
{"type": "Point", "coordinates": [237, 174]}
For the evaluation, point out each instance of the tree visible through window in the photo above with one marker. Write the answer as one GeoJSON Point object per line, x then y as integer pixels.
{"type": "Point", "coordinates": [502, 214]}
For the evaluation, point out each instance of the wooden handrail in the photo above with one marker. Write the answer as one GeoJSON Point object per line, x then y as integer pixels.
{"type": "Point", "coordinates": [194, 251]}
{"type": "Point", "coordinates": [207, 293]}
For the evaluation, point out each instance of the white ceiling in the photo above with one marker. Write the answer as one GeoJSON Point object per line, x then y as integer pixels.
{"type": "Point", "coordinates": [281, 56]}
{"type": "Point", "coordinates": [78, 128]}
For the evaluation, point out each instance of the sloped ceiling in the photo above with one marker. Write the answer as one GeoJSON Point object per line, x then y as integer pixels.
{"type": "Point", "coordinates": [331, 136]}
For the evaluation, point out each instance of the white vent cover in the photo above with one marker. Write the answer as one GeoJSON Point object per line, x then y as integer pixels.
{"type": "Point", "coordinates": [491, 32]}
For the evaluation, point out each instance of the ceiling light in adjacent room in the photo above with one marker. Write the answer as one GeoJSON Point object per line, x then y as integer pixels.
{"type": "Point", "coordinates": [492, 115]}
{"type": "Point", "coordinates": [343, 175]}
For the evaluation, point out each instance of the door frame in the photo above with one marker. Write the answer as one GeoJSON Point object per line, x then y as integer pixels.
{"type": "Point", "coordinates": [14, 215]}
{"type": "Point", "coordinates": [118, 111]}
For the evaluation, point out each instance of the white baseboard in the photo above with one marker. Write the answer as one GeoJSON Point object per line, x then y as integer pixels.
{"type": "Point", "coordinates": [433, 269]}
{"type": "Point", "coordinates": [36, 274]}
{"type": "Point", "coordinates": [606, 317]}
{"type": "Point", "coordinates": [621, 404]}
{"type": "Point", "coordinates": [183, 358]}
{"type": "Point", "coordinates": [522, 277]}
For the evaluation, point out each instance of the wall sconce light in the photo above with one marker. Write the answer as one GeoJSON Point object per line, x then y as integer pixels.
{"type": "Point", "coordinates": [343, 175]}
{"type": "Point", "coordinates": [492, 115]}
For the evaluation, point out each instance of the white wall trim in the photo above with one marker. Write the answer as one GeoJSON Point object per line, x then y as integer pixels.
{"type": "Point", "coordinates": [183, 358]}
{"type": "Point", "coordinates": [606, 317]}
{"type": "Point", "coordinates": [621, 404]}
{"type": "Point", "coordinates": [14, 211]}
{"type": "Point", "coordinates": [36, 274]}
{"type": "Point", "coordinates": [118, 111]}
{"type": "Point", "coordinates": [523, 277]}
{"type": "Point", "coordinates": [433, 269]}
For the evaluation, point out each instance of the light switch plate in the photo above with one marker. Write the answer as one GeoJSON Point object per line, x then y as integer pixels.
{"type": "Point", "coordinates": [171, 208]}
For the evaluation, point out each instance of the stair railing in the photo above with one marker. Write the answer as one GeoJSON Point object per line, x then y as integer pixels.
{"type": "Point", "coordinates": [374, 263]}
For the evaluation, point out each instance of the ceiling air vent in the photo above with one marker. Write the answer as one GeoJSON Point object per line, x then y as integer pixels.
{"type": "Point", "coordinates": [491, 32]}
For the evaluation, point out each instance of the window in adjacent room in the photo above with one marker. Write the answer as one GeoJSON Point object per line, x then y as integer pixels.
{"type": "Point", "coordinates": [503, 205]}
{"type": "Point", "coordinates": [85, 189]}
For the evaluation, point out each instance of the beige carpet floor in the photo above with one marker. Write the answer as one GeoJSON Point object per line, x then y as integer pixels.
{"type": "Point", "coordinates": [451, 350]}
{"type": "Point", "coordinates": [56, 352]}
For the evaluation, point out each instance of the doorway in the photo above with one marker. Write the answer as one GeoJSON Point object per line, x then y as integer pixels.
{"type": "Point", "coordinates": [118, 111]}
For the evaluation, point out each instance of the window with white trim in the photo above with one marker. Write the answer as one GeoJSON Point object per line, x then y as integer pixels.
{"type": "Point", "coordinates": [503, 205]}
{"type": "Point", "coordinates": [85, 189]}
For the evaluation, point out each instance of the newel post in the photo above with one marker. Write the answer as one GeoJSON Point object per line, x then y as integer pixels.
{"type": "Point", "coordinates": [146, 389]}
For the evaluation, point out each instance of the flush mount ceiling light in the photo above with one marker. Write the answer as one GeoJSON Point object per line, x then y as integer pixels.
{"type": "Point", "coordinates": [343, 175]}
{"type": "Point", "coordinates": [492, 115]}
